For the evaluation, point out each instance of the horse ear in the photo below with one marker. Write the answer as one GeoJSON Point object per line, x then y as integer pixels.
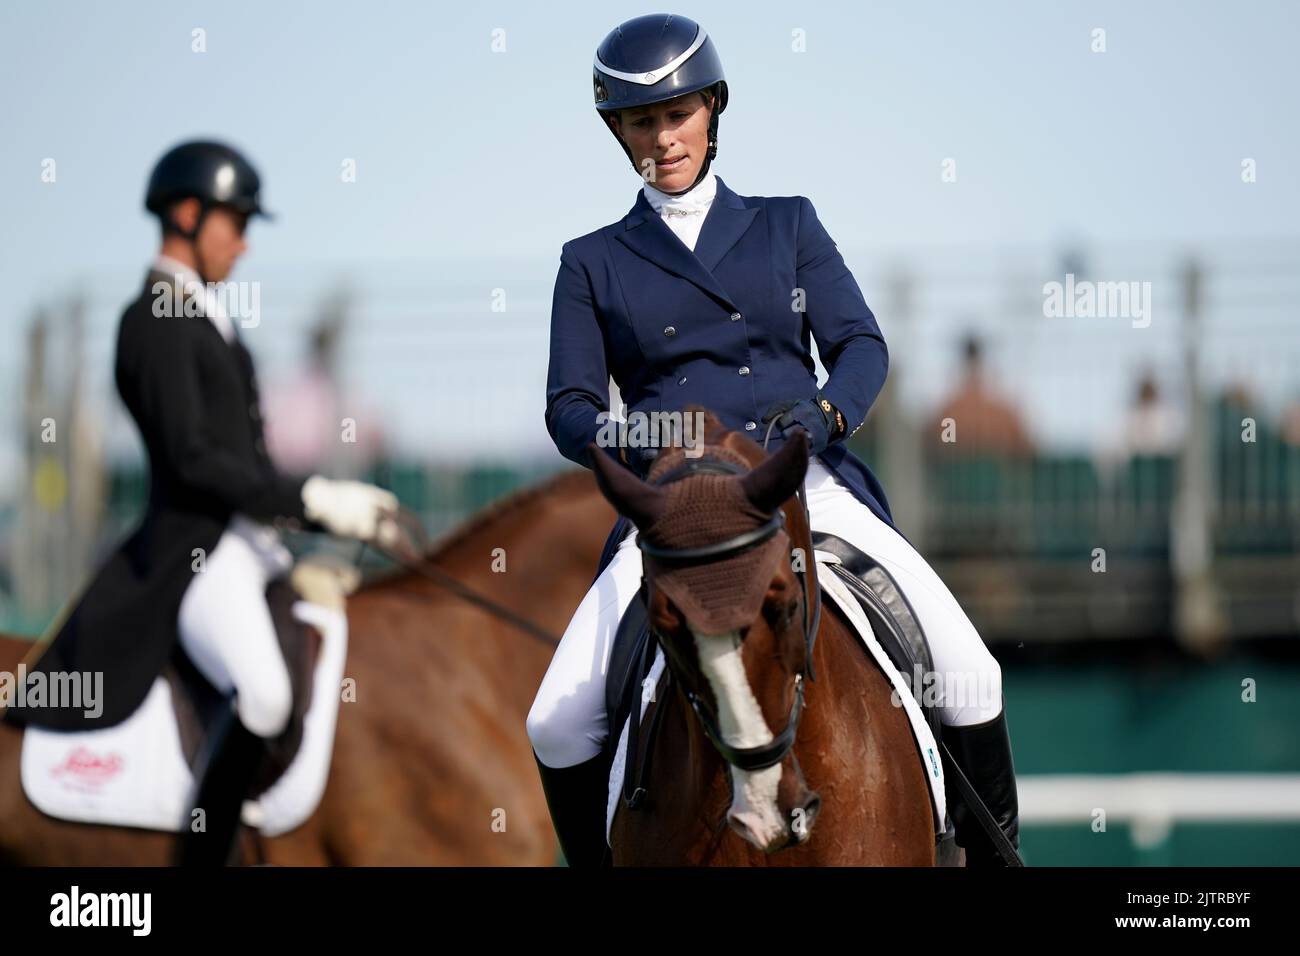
{"type": "Point", "coordinates": [771, 483]}
{"type": "Point", "coordinates": [639, 500]}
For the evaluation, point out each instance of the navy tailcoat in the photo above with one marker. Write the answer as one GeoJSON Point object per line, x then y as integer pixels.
{"type": "Point", "coordinates": [726, 326]}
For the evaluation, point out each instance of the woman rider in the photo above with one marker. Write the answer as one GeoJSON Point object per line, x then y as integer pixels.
{"type": "Point", "coordinates": [692, 298]}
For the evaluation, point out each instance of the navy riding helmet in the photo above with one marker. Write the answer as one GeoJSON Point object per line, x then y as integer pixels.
{"type": "Point", "coordinates": [655, 58]}
{"type": "Point", "coordinates": [213, 173]}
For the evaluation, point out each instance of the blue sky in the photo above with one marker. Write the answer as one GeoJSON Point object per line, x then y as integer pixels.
{"type": "Point", "coordinates": [473, 167]}
{"type": "Point", "coordinates": [461, 150]}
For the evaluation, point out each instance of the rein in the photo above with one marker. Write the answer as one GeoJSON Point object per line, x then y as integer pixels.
{"type": "Point", "coordinates": [411, 556]}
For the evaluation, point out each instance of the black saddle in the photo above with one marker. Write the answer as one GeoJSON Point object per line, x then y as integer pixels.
{"type": "Point", "coordinates": [633, 653]}
{"type": "Point", "coordinates": [892, 619]}
{"type": "Point", "coordinates": [630, 660]}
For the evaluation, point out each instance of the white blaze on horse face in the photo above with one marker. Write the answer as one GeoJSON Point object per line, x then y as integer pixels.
{"type": "Point", "coordinates": [754, 810]}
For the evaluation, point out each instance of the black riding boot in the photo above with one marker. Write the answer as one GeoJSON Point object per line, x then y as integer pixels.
{"type": "Point", "coordinates": [578, 797]}
{"type": "Point", "coordinates": [983, 752]}
{"type": "Point", "coordinates": [227, 777]}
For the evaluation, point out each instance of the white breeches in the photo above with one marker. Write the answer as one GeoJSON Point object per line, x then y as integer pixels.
{"type": "Point", "coordinates": [226, 627]}
{"type": "Point", "coordinates": [567, 723]}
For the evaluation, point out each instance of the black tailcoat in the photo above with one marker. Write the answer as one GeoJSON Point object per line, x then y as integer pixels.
{"type": "Point", "coordinates": [194, 399]}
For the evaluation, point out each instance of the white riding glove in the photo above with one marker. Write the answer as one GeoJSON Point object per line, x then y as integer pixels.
{"type": "Point", "coordinates": [351, 509]}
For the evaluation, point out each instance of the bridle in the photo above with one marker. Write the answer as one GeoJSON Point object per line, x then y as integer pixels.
{"type": "Point", "coordinates": [769, 754]}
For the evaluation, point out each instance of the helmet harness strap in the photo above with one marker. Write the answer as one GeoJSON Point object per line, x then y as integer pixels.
{"type": "Point", "coordinates": [193, 235]}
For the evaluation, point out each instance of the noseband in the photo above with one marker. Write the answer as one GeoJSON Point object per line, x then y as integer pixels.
{"type": "Point", "coordinates": [769, 754]}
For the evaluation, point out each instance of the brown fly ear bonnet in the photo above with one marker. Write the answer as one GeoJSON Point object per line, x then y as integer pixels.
{"type": "Point", "coordinates": [700, 509]}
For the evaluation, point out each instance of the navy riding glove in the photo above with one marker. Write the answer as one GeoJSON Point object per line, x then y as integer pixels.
{"type": "Point", "coordinates": [819, 424]}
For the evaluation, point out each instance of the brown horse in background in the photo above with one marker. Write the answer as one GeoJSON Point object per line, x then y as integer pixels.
{"type": "Point", "coordinates": [869, 804]}
{"type": "Point", "coordinates": [431, 762]}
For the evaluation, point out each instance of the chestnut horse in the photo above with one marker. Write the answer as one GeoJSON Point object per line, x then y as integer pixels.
{"type": "Point", "coordinates": [431, 764]}
{"type": "Point", "coordinates": [851, 789]}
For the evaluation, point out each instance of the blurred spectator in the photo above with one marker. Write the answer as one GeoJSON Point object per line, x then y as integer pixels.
{"type": "Point", "coordinates": [1153, 426]}
{"type": "Point", "coordinates": [301, 413]}
{"type": "Point", "coordinates": [305, 416]}
{"type": "Point", "coordinates": [985, 422]}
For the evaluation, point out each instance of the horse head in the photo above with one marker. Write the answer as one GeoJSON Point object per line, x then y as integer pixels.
{"type": "Point", "coordinates": [727, 555]}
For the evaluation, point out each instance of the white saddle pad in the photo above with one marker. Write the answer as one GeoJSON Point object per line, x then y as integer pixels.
{"type": "Point", "coordinates": [837, 590]}
{"type": "Point", "coordinates": [134, 774]}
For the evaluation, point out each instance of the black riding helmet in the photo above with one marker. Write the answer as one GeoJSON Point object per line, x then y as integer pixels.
{"type": "Point", "coordinates": [655, 58]}
{"type": "Point", "coordinates": [213, 173]}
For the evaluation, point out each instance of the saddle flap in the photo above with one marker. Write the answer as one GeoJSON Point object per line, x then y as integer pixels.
{"type": "Point", "coordinates": [631, 660]}
{"type": "Point", "coordinates": [622, 682]}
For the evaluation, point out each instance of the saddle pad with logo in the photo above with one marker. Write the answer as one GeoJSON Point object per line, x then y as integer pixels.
{"type": "Point", "coordinates": [836, 590]}
{"type": "Point", "coordinates": [135, 773]}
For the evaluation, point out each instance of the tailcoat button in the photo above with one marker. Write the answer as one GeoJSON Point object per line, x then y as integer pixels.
{"type": "Point", "coordinates": [682, 380]}
{"type": "Point", "coordinates": [736, 317]}
{"type": "Point", "coordinates": [750, 426]}
{"type": "Point", "coordinates": [744, 370]}
{"type": "Point", "coordinates": [670, 331]}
